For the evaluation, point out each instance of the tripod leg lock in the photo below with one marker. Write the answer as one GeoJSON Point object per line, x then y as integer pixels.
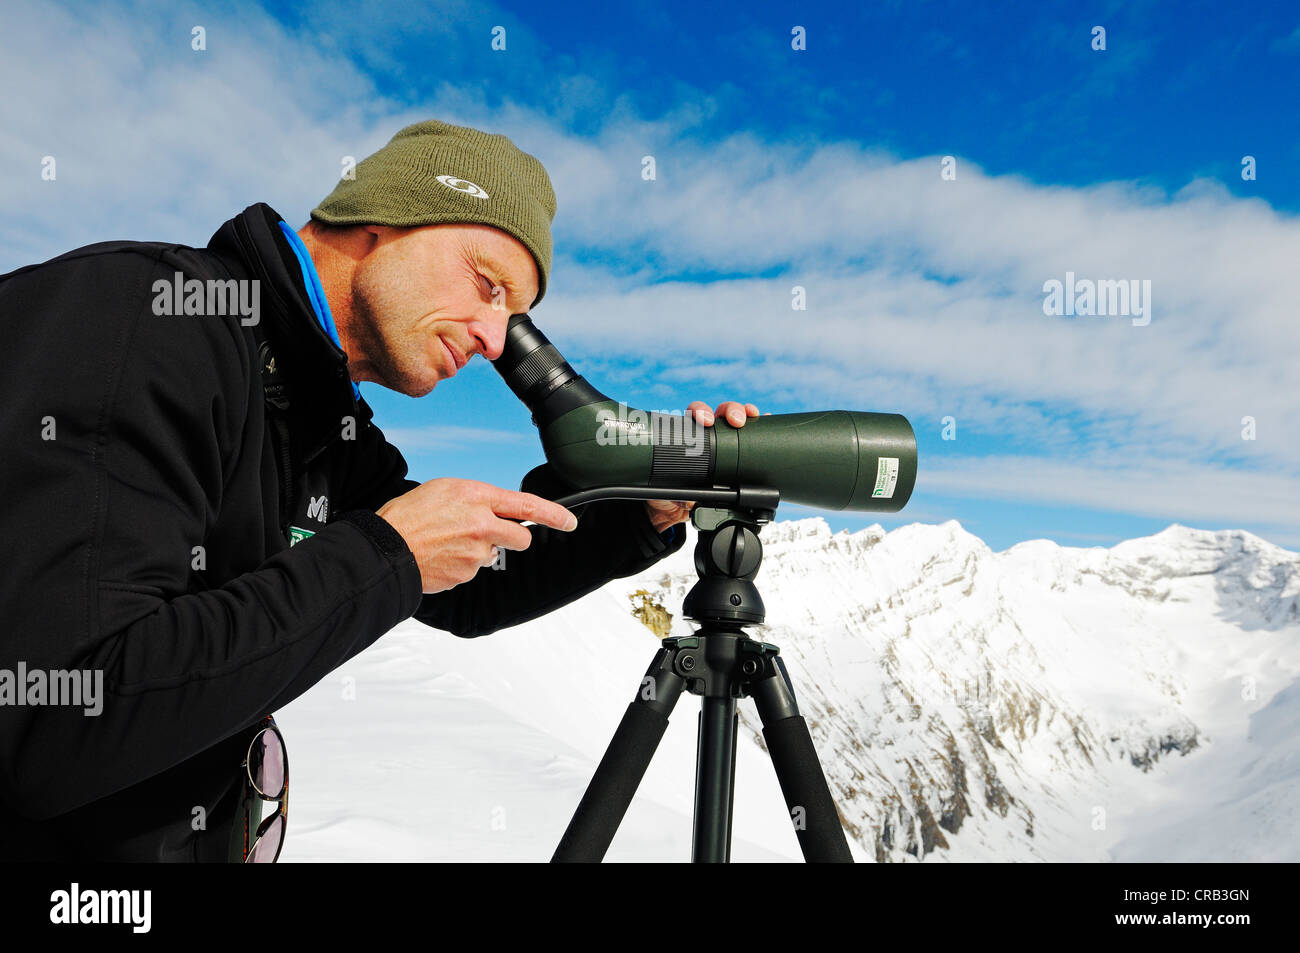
{"type": "Point", "coordinates": [773, 692]}
{"type": "Point", "coordinates": [662, 685]}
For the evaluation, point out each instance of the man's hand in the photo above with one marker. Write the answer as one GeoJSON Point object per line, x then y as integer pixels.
{"type": "Point", "coordinates": [454, 527]}
{"type": "Point", "coordinates": [666, 513]}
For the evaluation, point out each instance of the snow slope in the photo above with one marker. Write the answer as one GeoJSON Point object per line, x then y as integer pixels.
{"type": "Point", "coordinates": [1044, 703]}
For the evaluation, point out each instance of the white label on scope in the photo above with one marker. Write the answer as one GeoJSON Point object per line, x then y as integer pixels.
{"type": "Point", "coordinates": [886, 477]}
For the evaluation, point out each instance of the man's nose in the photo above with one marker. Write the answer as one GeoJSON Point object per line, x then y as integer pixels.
{"type": "Point", "coordinates": [490, 330]}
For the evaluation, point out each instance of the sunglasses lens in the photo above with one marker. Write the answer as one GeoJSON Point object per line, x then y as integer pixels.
{"type": "Point", "coordinates": [266, 767]}
{"type": "Point", "coordinates": [268, 845]}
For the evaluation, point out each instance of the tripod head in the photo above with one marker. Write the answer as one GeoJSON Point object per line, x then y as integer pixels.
{"type": "Point", "coordinates": [727, 556]}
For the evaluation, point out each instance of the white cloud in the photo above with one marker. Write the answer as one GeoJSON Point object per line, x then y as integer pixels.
{"type": "Point", "coordinates": [1173, 489]}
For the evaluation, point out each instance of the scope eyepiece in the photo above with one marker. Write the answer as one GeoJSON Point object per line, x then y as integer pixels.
{"type": "Point", "coordinates": [539, 375]}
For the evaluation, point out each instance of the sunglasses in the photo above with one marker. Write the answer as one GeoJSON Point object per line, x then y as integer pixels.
{"type": "Point", "coordinates": [267, 768]}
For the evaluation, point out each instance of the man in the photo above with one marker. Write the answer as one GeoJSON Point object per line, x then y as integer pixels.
{"type": "Point", "coordinates": [199, 511]}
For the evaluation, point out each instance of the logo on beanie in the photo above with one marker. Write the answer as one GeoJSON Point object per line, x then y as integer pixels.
{"type": "Point", "coordinates": [463, 185]}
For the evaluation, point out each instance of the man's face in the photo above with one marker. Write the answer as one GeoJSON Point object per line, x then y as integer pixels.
{"type": "Point", "coordinates": [428, 299]}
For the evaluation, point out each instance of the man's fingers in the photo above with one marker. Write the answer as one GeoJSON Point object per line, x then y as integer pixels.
{"type": "Point", "coordinates": [702, 412]}
{"type": "Point", "coordinates": [734, 411]}
{"type": "Point", "coordinates": [508, 534]}
{"type": "Point", "coordinates": [511, 504]}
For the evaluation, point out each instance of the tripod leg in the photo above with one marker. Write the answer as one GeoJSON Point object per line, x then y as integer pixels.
{"type": "Point", "coordinates": [807, 796]}
{"type": "Point", "coordinates": [624, 764]}
{"type": "Point", "coordinates": [715, 775]}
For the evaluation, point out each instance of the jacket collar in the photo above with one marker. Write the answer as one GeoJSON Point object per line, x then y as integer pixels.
{"type": "Point", "coordinates": [313, 366]}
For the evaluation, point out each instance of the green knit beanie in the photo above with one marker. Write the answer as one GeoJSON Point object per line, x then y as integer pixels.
{"type": "Point", "coordinates": [434, 173]}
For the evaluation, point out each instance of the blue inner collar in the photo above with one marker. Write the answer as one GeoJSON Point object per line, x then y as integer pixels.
{"type": "Point", "coordinates": [315, 292]}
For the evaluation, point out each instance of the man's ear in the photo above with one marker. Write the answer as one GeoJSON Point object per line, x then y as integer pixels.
{"type": "Point", "coordinates": [350, 241]}
{"type": "Point", "coordinates": [336, 234]}
{"type": "Point", "coordinates": [370, 236]}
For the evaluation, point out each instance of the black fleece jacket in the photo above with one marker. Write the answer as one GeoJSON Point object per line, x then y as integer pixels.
{"type": "Point", "coordinates": [149, 493]}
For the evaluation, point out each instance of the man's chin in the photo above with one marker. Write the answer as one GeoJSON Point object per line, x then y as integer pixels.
{"type": "Point", "coordinates": [410, 388]}
{"type": "Point", "coordinates": [414, 390]}
{"type": "Point", "coordinates": [412, 382]}
{"type": "Point", "coordinates": [421, 388]}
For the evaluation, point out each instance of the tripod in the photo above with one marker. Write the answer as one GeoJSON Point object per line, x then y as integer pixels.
{"type": "Point", "coordinates": [722, 664]}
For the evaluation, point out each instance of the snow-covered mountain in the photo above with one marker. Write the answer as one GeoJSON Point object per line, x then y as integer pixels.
{"type": "Point", "coordinates": [1044, 703]}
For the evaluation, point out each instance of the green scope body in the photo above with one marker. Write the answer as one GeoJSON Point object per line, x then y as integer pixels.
{"type": "Point", "coordinates": [833, 459]}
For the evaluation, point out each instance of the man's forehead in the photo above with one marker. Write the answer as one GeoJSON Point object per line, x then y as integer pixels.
{"type": "Point", "coordinates": [517, 265]}
{"type": "Point", "coordinates": [497, 252]}
{"type": "Point", "coordinates": [488, 238]}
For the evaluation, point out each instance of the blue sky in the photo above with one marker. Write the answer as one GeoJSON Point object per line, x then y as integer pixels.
{"type": "Point", "coordinates": [775, 167]}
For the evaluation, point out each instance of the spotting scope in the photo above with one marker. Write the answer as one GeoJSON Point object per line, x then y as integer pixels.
{"type": "Point", "coordinates": [834, 459]}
